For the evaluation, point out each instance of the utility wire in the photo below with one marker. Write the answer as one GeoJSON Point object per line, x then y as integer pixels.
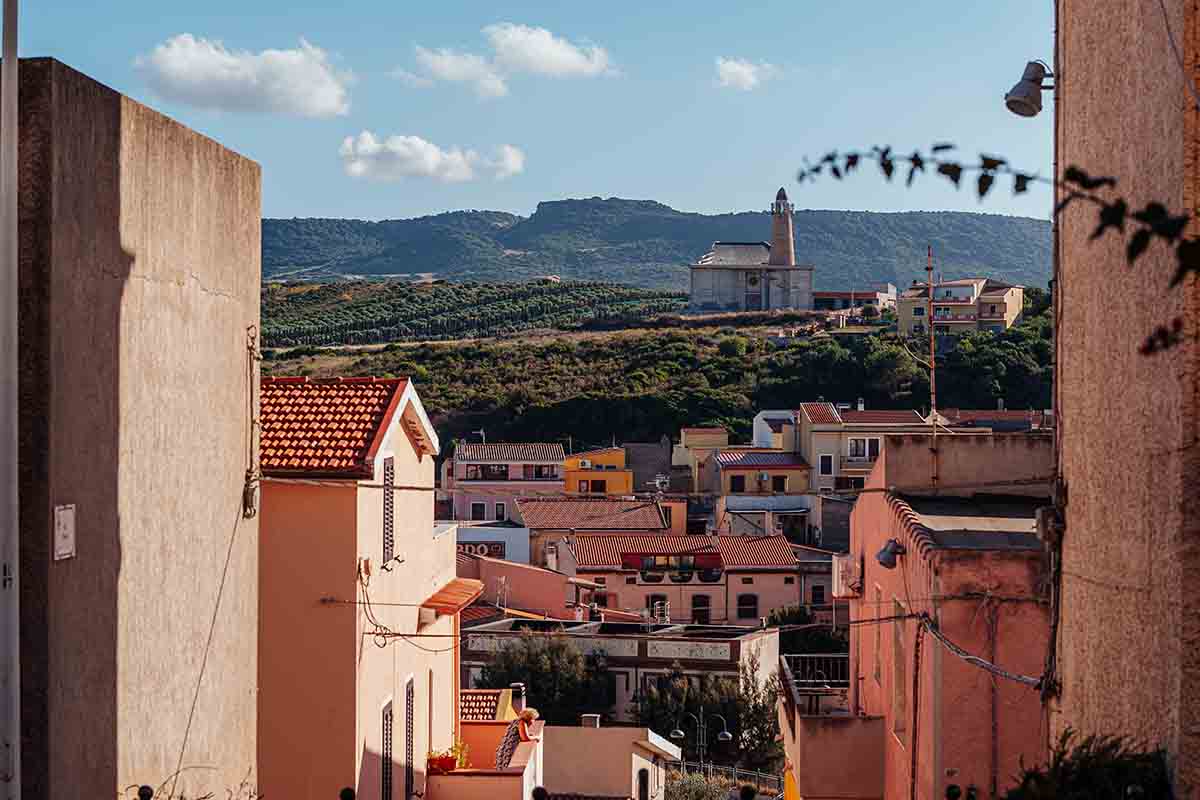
{"type": "Point", "coordinates": [1178, 56]}
{"type": "Point", "coordinates": [984, 664]}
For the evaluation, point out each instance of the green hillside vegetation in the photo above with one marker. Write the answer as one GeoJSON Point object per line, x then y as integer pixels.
{"type": "Point", "coordinates": [638, 385]}
{"type": "Point", "coordinates": [366, 312]}
{"type": "Point", "coordinates": [645, 243]}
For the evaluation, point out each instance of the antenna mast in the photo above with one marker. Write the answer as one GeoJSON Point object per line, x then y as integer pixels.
{"type": "Point", "coordinates": [932, 374]}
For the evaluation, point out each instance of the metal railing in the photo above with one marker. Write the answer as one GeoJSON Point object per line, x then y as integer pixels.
{"type": "Point", "coordinates": [763, 780]}
{"type": "Point", "coordinates": [820, 670]}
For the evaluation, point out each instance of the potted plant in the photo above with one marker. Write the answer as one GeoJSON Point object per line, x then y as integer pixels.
{"type": "Point", "coordinates": [443, 761]}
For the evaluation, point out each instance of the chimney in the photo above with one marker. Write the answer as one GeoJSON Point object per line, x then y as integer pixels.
{"type": "Point", "coordinates": [518, 696]}
{"type": "Point", "coordinates": [999, 403]}
{"type": "Point", "coordinates": [589, 720]}
{"type": "Point", "coordinates": [783, 242]}
{"type": "Point", "coordinates": [862, 405]}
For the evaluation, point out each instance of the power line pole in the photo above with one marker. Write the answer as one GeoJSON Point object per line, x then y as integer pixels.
{"type": "Point", "coordinates": [10, 612]}
{"type": "Point", "coordinates": [933, 451]}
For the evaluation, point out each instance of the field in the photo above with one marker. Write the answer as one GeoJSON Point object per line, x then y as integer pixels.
{"type": "Point", "coordinates": [365, 312]}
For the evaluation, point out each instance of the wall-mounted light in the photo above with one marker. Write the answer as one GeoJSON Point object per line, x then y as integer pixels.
{"type": "Point", "coordinates": [887, 556]}
{"type": "Point", "coordinates": [1025, 97]}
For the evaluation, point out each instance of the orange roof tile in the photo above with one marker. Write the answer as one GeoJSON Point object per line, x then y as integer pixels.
{"type": "Point", "coordinates": [590, 513]}
{"type": "Point", "coordinates": [457, 594]}
{"type": "Point", "coordinates": [603, 551]}
{"type": "Point", "coordinates": [821, 413]}
{"type": "Point", "coordinates": [326, 427]}
{"type": "Point", "coordinates": [881, 416]}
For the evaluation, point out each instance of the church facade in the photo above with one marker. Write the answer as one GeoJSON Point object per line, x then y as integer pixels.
{"type": "Point", "coordinates": [754, 276]}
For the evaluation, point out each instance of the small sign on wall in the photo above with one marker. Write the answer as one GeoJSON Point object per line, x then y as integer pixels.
{"type": "Point", "coordinates": [489, 549]}
{"type": "Point", "coordinates": [64, 532]}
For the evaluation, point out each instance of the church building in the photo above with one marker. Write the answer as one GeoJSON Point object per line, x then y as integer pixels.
{"type": "Point", "coordinates": [754, 276]}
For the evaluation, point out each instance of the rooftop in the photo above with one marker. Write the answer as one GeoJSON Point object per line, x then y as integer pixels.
{"type": "Point", "coordinates": [820, 413]}
{"type": "Point", "coordinates": [603, 551]}
{"type": "Point", "coordinates": [329, 427]}
{"type": "Point", "coordinates": [736, 253]}
{"type": "Point", "coordinates": [979, 522]}
{"type": "Point", "coordinates": [505, 452]}
{"type": "Point", "coordinates": [880, 417]}
{"type": "Point", "coordinates": [590, 513]}
{"type": "Point", "coordinates": [750, 459]}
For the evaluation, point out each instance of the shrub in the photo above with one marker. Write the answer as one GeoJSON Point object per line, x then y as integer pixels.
{"type": "Point", "coordinates": [694, 786]}
{"type": "Point", "coordinates": [1098, 768]}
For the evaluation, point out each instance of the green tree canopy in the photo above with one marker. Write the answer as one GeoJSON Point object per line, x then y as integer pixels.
{"type": "Point", "coordinates": [559, 681]}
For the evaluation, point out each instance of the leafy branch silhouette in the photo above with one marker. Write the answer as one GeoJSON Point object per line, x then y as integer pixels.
{"type": "Point", "coordinates": [1147, 224]}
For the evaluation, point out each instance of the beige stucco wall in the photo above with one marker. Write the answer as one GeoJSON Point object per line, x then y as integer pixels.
{"type": "Point", "coordinates": [772, 590]}
{"type": "Point", "coordinates": [1130, 635]}
{"type": "Point", "coordinates": [610, 768]}
{"type": "Point", "coordinates": [139, 271]}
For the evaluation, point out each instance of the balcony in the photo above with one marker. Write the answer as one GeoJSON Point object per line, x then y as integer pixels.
{"type": "Point", "coordinates": [833, 753]}
{"type": "Point", "coordinates": [992, 315]}
{"type": "Point", "coordinates": [859, 464]}
{"type": "Point", "coordinates": [962, 317]}
{"type": "Point", "coordinates": [824, 670]}
{"type": "Point", "coordinates": [480, 778]}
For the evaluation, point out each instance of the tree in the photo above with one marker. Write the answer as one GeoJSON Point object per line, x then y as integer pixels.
{"type": "Point", "coordinates": [559, 681]}
{"type": "Point", "coordinates": [694, 786]}
{"type": "Point", "coordinates": [870, 312]}
{"type": "Point", "coordinates": [812, 640]}
{"type": "Point", "coordinates": [747, 703]}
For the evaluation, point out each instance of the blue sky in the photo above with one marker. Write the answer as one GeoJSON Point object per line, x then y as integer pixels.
{"type": "Point", "coordinates": [599, 99]}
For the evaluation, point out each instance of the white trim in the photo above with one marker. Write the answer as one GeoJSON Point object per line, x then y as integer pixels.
{"type": "Point", "coordinates": [866, 441]}
{"type": "Point", "coordinates": [410, 396]}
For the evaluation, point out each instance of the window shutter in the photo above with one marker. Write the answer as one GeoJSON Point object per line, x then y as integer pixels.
{"type": "Point", "coordinates": [389, 511]}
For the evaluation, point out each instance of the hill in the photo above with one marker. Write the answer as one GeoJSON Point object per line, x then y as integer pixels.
{"type": "Point", "coordinates": [644, 243]}
{"type": "Point", "coordinates": [636, 385]}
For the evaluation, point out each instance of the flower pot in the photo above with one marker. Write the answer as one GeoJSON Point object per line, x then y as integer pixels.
{"type": "Point", "coordinates": [441, 764]}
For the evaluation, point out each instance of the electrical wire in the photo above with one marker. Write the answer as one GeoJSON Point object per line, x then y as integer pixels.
{"type": "Point", "coordinates": [984, 664]}
{"type": "Point", "coordinates": [1178, 56]}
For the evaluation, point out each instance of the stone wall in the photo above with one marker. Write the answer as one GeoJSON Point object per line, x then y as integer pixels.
{"type": "Point", "coordinates": [139, 279]}
{"type": "Point", "coordinates": [1129, 654]}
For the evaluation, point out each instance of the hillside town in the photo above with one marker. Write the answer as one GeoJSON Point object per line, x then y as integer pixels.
{"type": "Point", "coordinates": [223, 578]}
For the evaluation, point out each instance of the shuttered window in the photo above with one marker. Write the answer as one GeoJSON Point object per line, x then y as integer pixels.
{"type": "Point", "coordinates": [385, 772]}
{"type": "Point", "coordinates": [409, 697]}
{"type": "Point", "coordinates": [389, 510]}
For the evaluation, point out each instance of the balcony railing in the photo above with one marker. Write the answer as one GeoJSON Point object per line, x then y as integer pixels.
{"type": "Point", "coordinates": [859, 462]}
{"type": "Point", "coordinates": [766, 783]}
{"type": "Point", "coordinates": [819, 670]}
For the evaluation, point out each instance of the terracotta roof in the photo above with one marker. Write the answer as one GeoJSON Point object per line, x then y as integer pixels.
{"type": "Point", "coordinates": [508, 451]}
{"type": "Point", "coordinates": [593, 451]}
{"type": "Point", "coordinates": [590, 513]}
{"type": "Point", "coordinates": [734, 459]}
{"type": "Point", "coordinates": [457, 594]}
{"type": "Point", "coordinates": [603, 551]}
{"type": "Point", "coordinates": [325, 426]}
{"type": "Point", "coordinates": [821, 413]}
{"type": "Point", "coordinates": [477, 615]}
{"type": "Point", "coordinates": [881, 416]}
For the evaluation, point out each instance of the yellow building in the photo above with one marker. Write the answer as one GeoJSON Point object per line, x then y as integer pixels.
{"type": "Point", "coordinates": [600, 471]}
{"type": "Point", "coordinates": [959, 306]}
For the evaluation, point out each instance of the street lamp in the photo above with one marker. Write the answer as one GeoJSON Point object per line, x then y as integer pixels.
{"type": "Point", "coordinates": [702, 731]}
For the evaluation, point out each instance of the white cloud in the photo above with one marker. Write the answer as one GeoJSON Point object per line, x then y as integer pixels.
{"type": "Point", "coordinates": [521, 48]}
{"type": "Point", "coordinates": [738, 73]}
{"type": "Point", "coordinates": [449, 65]}
{"type": "Point", "coordinates": [204, 73]}
{"type": "Point", "coordinates": [411, 78]}
{"type": "Point", "coordinates": [515, 49]}
{"type": "Point", "coordinates": [399, 157]}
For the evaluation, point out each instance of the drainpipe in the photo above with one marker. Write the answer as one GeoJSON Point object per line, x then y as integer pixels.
{"type": "Point", "coordinates": [10, 612]}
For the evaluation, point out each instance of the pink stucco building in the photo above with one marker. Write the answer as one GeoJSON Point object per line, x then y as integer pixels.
{"type": "Point", "coordinates": [483, 481]}
{"type": "Point", "coordinates": [688, 579]}
{"type": "Point", "coordinates": [348, 569]}
{"type": "Point", "coordinates": [964, 565]}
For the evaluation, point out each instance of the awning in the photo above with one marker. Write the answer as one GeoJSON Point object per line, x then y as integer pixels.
{"type": "Point", "coordinates": [454, 596]}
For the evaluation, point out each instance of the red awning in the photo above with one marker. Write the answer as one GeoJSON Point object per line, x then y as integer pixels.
{"type": "Point", "coordinates": [454, 596]}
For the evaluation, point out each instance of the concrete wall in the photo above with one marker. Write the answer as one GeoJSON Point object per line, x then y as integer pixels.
{"type": "Point", "coordinates": [610, 768]}
{"type": "Point", "coordinates": [970, 458]}
{"type": "Point", "coordinates": [515, 540]}
{"type": "Point", "coordinates": [1130, 636]}
{"type": "Point", "coordinates": [139, 277]}
{"type": "Point", "coordinates": [524, 587]}
{"type": "Point", "coordinates": [725, 289]}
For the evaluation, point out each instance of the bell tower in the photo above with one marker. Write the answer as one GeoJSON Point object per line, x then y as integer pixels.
{"type": "Point", "coordinates": [783, 246]}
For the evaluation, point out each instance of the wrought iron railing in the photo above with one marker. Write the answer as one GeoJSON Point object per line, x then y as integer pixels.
{"type": "Point", "coordinates": [764, 781]}
{"type": "Point", "coordinates": [819, 670]}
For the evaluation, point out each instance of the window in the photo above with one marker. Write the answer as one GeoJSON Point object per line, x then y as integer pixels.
{"type": "Point", "coordinates": [918, 328]}
{"type": "Point", "coordinates": [643, 784]}
{"type": "Point", "coordinates": [389, 511]}
{"type": "Point", "coordinates": [747, 580]}
{"type": "Point", "coordinates": [857, 448]}
{"type": "Point", "coordinates": [657, 603]}
{"type": "Point", "coordinates": [385, 771]}
{"type": "Point", "coordinates": [899, 674]}
{"type": "Point", "coordinates": [790, 580]}
{"type": "Point", "coordinates": [872, 449]}
{"type": "Point", "coordinates": [878, 634]}
{"type": "Point", "coordinates": [540, 472]}
{"type": "Point", "coordinates": [818, 595]}
{"type": "Point", "coordinates": [501, 511]}
{"type": "Point", "coordinates": [779, 483]}
{"type": "Point", "coordinates": [409, 782]}
{"type": "Point", "coordinates": [478, 511]}
{"type": "Point", "coordinates": [700, 609]}
{"type": "Point", "coordinates": [599, 487]}
{"type": "Point", "coordinates": [737, 483]}
{"type": "Point", "coordinates": [918, 311]}
{"type": "Point", "coordinates": [583, 487]}
{"type": "Point", "coordinates": [826, 464]}
{"type": "Point", "coordinates": [747, 606]}
{"type": "Point", "coordinates": [991, 309]}
{"type": "Point", "coordinates": [487, 472]}
{"type": "Point", "coordinates": [630, 580]}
